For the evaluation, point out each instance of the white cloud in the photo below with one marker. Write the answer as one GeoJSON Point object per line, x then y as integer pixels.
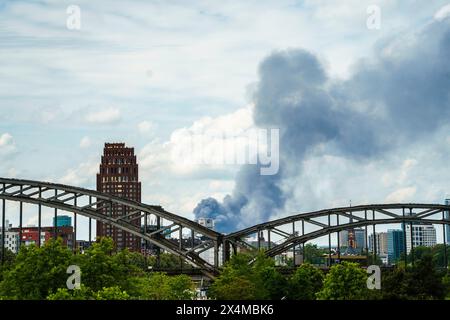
{"type": "Point", "coordinates": [145, 127]}
{"type": "Point", "coordinates": [85, 142]}
{"type": "Point", "coordinates": [6, 140]}
{"type": "Point", "coordinates": [7, 144]}
{"type": "Point", "coordinates": [81, 176]}
{"type": "Point", "coordinates": [442, 13]}
{"type": "Point", "coordinates": [106, 116]}
{"type": "Point", "coordinates": [401, 195]}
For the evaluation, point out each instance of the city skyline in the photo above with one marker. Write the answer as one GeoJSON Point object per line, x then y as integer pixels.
{"type": "Point", "coordinates": [137, 96]}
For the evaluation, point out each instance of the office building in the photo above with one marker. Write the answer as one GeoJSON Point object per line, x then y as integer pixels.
{"type": "Point", "coordinates": [423, 235]}
{"type": "Point", "coordinates": [29, 234]}
{"type": "Point", "coordinates": [119, 176]}
{"type": "Point", "coordinates": [11, 238]}
{"type": "Point", "coordinates": [206, 222]}
{"type": "Point", "coordinates": [396, 245]}
{"type": "Point", "coordinates": [207, 255]}
{"type": "Point", "coordinates": [63, 221]}
{"type": "Point", "coordinates": [381, 242]}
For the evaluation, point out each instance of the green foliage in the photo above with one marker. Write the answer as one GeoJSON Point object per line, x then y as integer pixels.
{"type": "Point", "coordinates": [111, 293]}
{"type": "Point", "coordinates": [242, 281]}
{"type": "Point", "coordinates": [40, 273]}
{"type": "Point", "coordinates": [159, 286]}
{"type": "Point", "coordinates": [10, 258]}
{"type": "Point", "coordinates": [102, 269]}
{"type": "Point", "coordinates": [37, 272]}
{"type": "Point", "coordinates": [167, 262]}
{"type": "Point", "coordinates": [421, 282]}
{"type": "Point", "coordinates": [446, 284]}
{"type": "Point", "coordinates": [305, 283]}
{"type": "Point", "coordinates": [64, 294]}
{"type": "Point", "coordinates": [314, 254]}
{"type": "Point", "coordinates": [345, 281]}
{"type": "Point", "coordinates": [437, 252]}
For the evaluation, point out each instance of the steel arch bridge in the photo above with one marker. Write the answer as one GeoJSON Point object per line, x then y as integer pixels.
{"type": "Point", "coordinates": [92, 204]}
{"type": "Point", "coordinates": [291, 230]}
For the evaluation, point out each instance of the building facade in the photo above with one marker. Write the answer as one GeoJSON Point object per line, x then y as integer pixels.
{"type": "Point", "coordinates": [207, 255]}
{"type": "Point", "coordinates": [352, 241]}
{"type": "Point", "coordinates": [381, 243]}
{"type": "Point", "coordinates": [396, 245]}
{"type": "Point", "coordinates": [423, 235]}
{"type": "Point", "coordinates": [29, 235]}
{"type": "Point", "coordinates": [63, 221]}
{"type": "Point", "coordinates": [119, 176]}
{"type": "Point", "coordinates": [11, 238]}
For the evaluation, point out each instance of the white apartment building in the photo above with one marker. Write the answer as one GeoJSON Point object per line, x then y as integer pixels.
{"type": "Point", "coordinates": [422, 235]}
{"type": "Point", "coordinates": [11, 238]}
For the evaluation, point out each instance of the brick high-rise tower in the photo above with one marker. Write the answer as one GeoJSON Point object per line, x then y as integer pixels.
{"type": "Point", "coordinates": [119, 176]}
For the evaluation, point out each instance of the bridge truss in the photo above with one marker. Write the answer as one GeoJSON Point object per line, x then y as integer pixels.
{"type": "Point", "coordinates": [287, 233]}
{"type": "Point", "coordinates": [92, 204]}
{"type": "Point", "coordinates": [295, 230]}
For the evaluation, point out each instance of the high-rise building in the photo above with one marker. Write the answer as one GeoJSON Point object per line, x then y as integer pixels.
{"type": "Point", "coordinates": [63, 221]}
{"type": "Point", "coordinates": [206, 222]}
{"type": "Point", "coordinates": [447, 226]}
{"type": "Point", "coordinates": [396, 245]}
{"type": "Point", "coordinates": [11, 238]}
{"type": "Point", "coordinates": [207, 255]}
{"type": "Point", "coordinates": [119, 176]}
{"type": "Point", "coordinates": [423, 235]}
{"type": "Point", "coordinates": [381, 242]}
{"type": "Point", "coordinates": [352, 241]}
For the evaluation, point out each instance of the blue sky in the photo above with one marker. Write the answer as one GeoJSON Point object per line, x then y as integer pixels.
{"type": "Point", "coordinates": [145, 72]}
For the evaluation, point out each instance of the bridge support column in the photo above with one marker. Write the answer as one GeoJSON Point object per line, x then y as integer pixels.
{"type": "Point", "coordinates": [20, 220]}
{"type": "Point", "coordinates": [3, 228]}
{"type": "Point", "coordinates": [225, 251]}
{"type": "Point", "coordinates": [39, 218]}
{"type": "Point", "coordinates": [158, 249]}
{"type": "Point", "coordinates": [216, 254]}
{"type": "Point", "coordinates": [444, 235]}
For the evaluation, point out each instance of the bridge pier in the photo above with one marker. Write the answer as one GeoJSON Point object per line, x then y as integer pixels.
{"type": "Point", "coordinates": [225, 251]}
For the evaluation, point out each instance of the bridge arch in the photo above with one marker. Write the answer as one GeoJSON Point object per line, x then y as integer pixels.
{"type": "Point", "coordinates": [91, 204]}
{"type": "Point", "coordinates": [344, 218]}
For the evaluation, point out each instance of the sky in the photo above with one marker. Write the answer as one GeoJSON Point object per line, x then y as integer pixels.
{"type": "Point", "coordinates": [150, 73]}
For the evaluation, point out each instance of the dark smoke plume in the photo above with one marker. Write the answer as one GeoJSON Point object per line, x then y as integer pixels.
{"type": "Point", "coordinates": [399, 97]}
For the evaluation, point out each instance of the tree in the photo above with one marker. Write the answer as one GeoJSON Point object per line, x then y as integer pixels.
{"type": "Point", "coordinates": [111, 293]}
{"type": "Point", "coordinates": [37, 272]}
{"type": "Point", "coordinates": [421, 282]}
{"type": "Point", "coordinates": [244, 281]}
{"type": "Point", "coordinates": [305, 283]}
{"type": "Point", "coordinates": [425, 281]}
{"type": "Point", "coordinates": [101, 267]}
{"type": "Point", "coordinates": [83, 293]}
{"type": "Point", "coordinates": [394, 283]}
{"type": "Point", "coordinates": [345, 281]}
{"type": "Point", "coordinates": [313, 254]}
{"type": "Point", "coordinates": [159, 286]}
{"type": "Point", "coordinates": [168, 261]}
{"type": "Point", "coordinates": [9, 260]}
{"type": "Point", "coordinates": [446, 284]}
